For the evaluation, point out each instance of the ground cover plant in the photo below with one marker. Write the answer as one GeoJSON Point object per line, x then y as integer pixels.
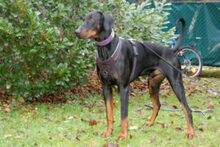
{"type": "Point", "coordinates": [81, 121]}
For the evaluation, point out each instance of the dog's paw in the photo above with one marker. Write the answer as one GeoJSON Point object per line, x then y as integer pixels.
{"type": "Point", "coordinates": [190, 135]}
{"type": "Point", "coordinates": [122, 136]}
{"type": "Point", "coordinates": [107, 134]}
{"type": "Point", "coordinates": [148, 124]}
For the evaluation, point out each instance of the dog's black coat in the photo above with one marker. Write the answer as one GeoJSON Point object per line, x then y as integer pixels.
{"type": "Point", "coordinates": [98, 25]}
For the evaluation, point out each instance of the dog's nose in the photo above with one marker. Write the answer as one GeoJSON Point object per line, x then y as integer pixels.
{"type": "Point", "coordinates": [77, 31]}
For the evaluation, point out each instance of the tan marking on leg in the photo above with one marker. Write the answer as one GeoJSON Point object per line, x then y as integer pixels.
{"type": "Point", "coordinates": [190, 132]}
{"type": "Point", "coordinates": [154, 96]}
{"type": "Point", "coordinates": [155, 112]}
{"type": "Point", "coordinates": [109, 117]}
{"type": "Point", "coordinates": [124, 129]}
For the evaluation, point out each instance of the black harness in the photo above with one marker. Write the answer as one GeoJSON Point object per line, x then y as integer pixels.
{"type": "Point", "coordinates": [105, 66]}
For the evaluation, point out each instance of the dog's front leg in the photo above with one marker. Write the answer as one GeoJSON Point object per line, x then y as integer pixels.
{"type": "Point", "coordinates": [107, 92]}
{"type": "Point", "coordinates": [124, 94]}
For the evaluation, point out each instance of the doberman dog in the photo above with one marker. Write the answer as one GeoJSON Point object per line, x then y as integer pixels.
{"type": "Point", "coordinates": [115, 64]}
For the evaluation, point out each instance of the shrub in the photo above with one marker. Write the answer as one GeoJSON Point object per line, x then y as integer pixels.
{"type": "Point", "coordinates": [39, 52]}
{"type": "Point", "coordinates": [145, 21]}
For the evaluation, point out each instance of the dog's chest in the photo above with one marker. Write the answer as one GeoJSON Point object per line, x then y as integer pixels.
{"type": "Point", "coordinates": [105, 68]}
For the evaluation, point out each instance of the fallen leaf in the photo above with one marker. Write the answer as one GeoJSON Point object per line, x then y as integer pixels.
{"type": "Point", "coordinates": [213, 129]}
{"type": "Point", "coordinates": [172, 123]}
{"type": "Point", "coordinates": [70, 117]}
{"type": "Point", "coordinates": [204, 123]}
{"type": "Point", "coordinates": [99, 105]}
{"type": "Point", "coordinates": [47, 117]}
{"type": "Point", "coordinates": [26, 121]}
{"type": "Point", "coordinates": [77, 137]}
{"type": "Point", "coordinates": [110, 145]}
{"type": "Point", "coordinates": [90, 106]}
{"type": "Point", "coordinates": [195, 107]}
{"type": "Point", "coordinates": [201, 129]}
{"type": "Point", "coordinates": [6, 109]}
{"type": "Point", "coordinates": [178, 129]}
{"type": "Point", "coordinates": [34, 115]}
{"type": "Point", "coordinates": [210, 107]}
{"type": "Point", "coordinates": [174, 115]}
{"type": "Point", "coordinates": [70, 137]}
{"type": "Point", "coordinates": [153, 138]}
{"type": "Point", "coordinates": [18, 137]}
{"type": "Point", "coordinates": [92, 122]}
{"type": "Point", "coordinates": [162, 124]}
{"type": "Point", "coordinates": [57, 121]}
{"type": "Point", "coordinates": [209, 117]}
{"type": "Point", "coordinates": [174, 106]}
{"type": "Point", "coordinates": [163, 101]}
{"type": "Point", "coordinates": [133, 127]}
{"type": "Point", "coordinates": [7, 135]}
{"type": "Point", "coordinates": [55, 134]}
{"type": "Point", "coordinates": [81, 131]}
{"type": "Point", "coordinates": [82, 119]}
{"type": "Point", "coordinates": [139, 109]}
{"type": "Point", "coordinates": [101, 109]}
{"type": "Point", "coordinates": [64, 117]}
{"type": "Point", "coordinates": [96, 133]}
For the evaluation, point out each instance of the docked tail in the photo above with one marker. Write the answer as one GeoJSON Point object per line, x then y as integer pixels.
{"type": "Point", "coordinates": [177, 45]}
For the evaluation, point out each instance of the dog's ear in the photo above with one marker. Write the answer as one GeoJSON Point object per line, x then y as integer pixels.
{"type": "Point", "coordinates": [108, 21]}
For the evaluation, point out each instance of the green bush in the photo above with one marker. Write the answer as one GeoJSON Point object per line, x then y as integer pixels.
{"type": "Point", "coordinates": [145, 21]}
{"type": "Point", "coordinates": [39, 53]}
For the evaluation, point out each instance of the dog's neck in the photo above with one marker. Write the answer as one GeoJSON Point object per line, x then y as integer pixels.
{"type": "Point", "coordinates": [106, 51]}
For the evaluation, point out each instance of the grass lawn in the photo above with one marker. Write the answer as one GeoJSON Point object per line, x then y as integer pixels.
{"type": "Point", "coordinates": [80, 122]}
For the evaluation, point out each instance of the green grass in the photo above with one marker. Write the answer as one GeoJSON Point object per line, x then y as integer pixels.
{"type": "Point", "coordinates": [68, 124]}
{"type": "Point", "coordinates": [210, 73]}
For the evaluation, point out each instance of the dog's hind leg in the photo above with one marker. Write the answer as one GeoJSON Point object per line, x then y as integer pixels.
{"type": "Point", "coordinates": [178, 88]}
{"type": "Point", "coordinates": [154, 83]}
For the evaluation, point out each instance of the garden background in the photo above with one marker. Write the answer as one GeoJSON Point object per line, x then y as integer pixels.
{"type": "Point", "coordinates": [41, 60]}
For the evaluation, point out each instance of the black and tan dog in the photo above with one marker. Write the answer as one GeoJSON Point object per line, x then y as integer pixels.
{"type": "Point", "coordinates": [120, 61]}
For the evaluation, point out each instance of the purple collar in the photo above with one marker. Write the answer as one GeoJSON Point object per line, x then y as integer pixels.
{"type": "Point", "coordinates": [106, 41]}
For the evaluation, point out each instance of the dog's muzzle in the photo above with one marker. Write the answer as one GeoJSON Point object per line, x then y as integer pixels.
{"type": "Point", "coordinates": [77, 32]}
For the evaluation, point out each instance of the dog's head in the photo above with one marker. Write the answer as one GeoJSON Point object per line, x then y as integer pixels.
{"type": "Point", "coordinates": [94, 23]}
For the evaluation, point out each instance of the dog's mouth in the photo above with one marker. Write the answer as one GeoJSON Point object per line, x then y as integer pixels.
{"type": "Point", "coordinates": [84, 34]}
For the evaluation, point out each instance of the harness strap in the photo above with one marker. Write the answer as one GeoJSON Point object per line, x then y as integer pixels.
{"type": "Point", "coordinates": [134, 59]}
{"type": "Point", "coordinates": [106, 65]}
